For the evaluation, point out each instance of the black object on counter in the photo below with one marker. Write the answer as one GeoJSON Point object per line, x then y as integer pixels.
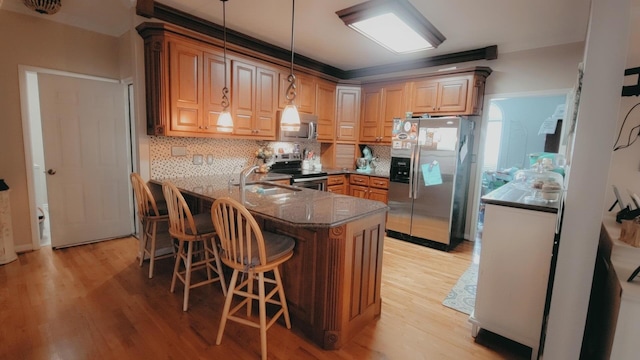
{"type": "Point", "coordinates": [3, 185]}
{"type": "Point", "coordinates": [627, 214]}
{"type": "Point", "coordinates": [634, 274]}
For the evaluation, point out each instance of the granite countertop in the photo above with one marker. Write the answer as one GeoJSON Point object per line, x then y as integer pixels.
{"type": "Point", "coordinates": [296, 206]}
{"type": "Point", "coordinates": [516, 196]}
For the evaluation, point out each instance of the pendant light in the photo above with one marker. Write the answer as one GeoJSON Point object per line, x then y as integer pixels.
{"type": "Point", "coordinates": [225, 122]}
{"type": "Point", "coordinates": [290, 117]}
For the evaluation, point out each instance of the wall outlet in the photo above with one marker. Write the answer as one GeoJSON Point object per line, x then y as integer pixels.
{"type": "Point", "coordinates": [197, 159]}
{"type": "Point", "coordinates": [178, 151]}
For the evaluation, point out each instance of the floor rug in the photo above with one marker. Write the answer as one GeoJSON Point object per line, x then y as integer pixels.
{"type": "Point", "coordinates": [462, 296]}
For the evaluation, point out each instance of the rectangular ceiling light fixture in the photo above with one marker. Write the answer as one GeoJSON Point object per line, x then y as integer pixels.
{"type": "Point", "coordinates": [394, 24]}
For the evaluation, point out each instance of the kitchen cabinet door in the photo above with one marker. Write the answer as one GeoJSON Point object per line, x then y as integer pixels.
{"type": "Point", "coordinates": [305, 99]}
{"type": "Point", "coordinates": [347, 114]}
{"type": "Point", "coordinates": [378, 195]}
{"type": "Point", "coordinates": [326, 110]}
{"type": "Point", "coordinates": [394, 106]}
{"type": "Point", "coordinates": [424, 96]}
{"type": "Point", "coordinates": [185, 86]}
{"type": "Point", "coordinates": [242, 99]}
{"type": "Point", "coordinates": [214, 82]}
{"type": "Point", "coordinates": [371, 114]}
{"type": "Point", "coordinates": [358, 191]}
{"type": "Point", "coordinates": [380, 104]}
{"type": "Point", "coordinates": [452, 95]}
{"type": "Point", "coordinates": [253, 101]}
{"type": "Point", "coordinates": [266, 103]}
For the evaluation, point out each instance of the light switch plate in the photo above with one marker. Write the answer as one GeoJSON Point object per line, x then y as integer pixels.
{"type": "Point", "coordinates": [210, 159]}
{"type": "Point", "coordinates": [178, 151]}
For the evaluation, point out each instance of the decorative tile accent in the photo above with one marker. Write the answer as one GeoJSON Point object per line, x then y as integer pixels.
{"type": "Point", "coordinates": [229, 155]}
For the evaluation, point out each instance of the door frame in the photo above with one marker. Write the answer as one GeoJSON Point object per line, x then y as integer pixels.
{"type": "Point", "coordinates": [24, 71]}
{"type": "Point", "coordinates": [477, 185]}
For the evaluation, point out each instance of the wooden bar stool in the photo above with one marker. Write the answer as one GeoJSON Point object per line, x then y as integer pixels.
{"type": "Point", "coordinates": [154, 220]}
{"type": "Point", "coordinates": [190, 229]}
{"type": "Point", "coordinates": [249, 250]}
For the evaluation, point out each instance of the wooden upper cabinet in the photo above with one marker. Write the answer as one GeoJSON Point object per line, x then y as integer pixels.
{"type": "Point", "coordinates": [394, 102]}
{"type": "Point", "coordinates": [424, 96]}
{"type": "Point", "coordinates": [347, 114]}
{"type": "Point", "coordinates": [253, 100]}
{"type": "Point", "coordinates": [242, 98]}
{"type": "Point", "coordinates": [459, 94]}
{"type": "Point", "coordinates": [213, 84]}
{"type": "Point", "coordinates": [305, 99]}
{"type": "Point", "coordinates": [185, 87]}
{"type": "Point", "coordinates": [326, 110]}
{"type": "Point", "coordinates": [380, 105]}
{"type": "Point", "coordinates": [452, 95]}
{"type": "Point", "coordinates": [438, 96]}
{"type": "Point", "coordinates": [266, 102]}
{"type": "Point", "coordinates": [371, 115]}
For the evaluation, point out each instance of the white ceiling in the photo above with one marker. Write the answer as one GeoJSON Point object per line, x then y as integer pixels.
{"type": "Point", "coordinates": [513, 25]}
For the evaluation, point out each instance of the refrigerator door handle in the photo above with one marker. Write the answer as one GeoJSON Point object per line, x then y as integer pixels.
{"type": "Point", "coordinates": [416, 172]}
{"type": "Point", "coordinates": [411, 161]}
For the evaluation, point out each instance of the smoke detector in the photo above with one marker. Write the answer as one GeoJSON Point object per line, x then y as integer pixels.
{"type": "Point", "coordinates": [48, 7]}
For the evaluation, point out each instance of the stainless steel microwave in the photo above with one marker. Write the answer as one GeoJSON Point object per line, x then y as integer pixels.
{"type": "Point", "coordinates": [308, 129]}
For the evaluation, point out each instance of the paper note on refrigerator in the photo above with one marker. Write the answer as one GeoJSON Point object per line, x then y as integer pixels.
{"type": "Point", "coordinates": [431, 173]}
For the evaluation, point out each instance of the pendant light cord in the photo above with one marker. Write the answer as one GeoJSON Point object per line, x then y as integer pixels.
{"type": "Point", "coordinates": [291, 90]}
{"type": "Point", "coordinates": [225, 89]}
{"type": "Point", "coordinates": [293, 17]}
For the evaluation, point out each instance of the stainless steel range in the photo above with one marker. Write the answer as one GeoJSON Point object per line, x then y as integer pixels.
{"type": "Point", "coordinates": [291, 164]}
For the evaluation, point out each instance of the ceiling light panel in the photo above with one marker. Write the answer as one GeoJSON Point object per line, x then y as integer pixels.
{"type": "Point", "coordinates": [394, 24]}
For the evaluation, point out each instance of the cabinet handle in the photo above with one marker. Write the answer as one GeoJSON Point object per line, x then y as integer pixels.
{"type": "Point", "coordinates": [200, 127]}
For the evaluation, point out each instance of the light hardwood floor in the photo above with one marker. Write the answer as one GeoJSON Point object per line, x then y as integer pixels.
{"type": "Point", "coordinates": [94, 302]}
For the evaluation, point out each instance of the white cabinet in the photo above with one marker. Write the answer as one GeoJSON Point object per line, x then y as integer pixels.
{"type": "Point", "coordinates": [515, 259]}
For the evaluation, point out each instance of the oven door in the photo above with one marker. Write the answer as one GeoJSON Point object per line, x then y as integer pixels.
{"type": "Point", "coordinates": [316, 183]}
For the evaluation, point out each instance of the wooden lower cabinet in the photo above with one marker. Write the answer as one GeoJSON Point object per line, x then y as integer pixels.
{"type": "Point", "coordinates": [369, 187]}
{"type": "Point", "coordinates": [332, 282]}
{"type": "Point", "coordinates": [337, 184]}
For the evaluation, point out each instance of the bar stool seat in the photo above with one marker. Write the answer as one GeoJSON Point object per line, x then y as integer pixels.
{"type": "Point", "coordinates": [191, 230]}
{"type": "Point", "coordinates": [154, 219]}
{"type": "Point", "coordinates": [253, 252]}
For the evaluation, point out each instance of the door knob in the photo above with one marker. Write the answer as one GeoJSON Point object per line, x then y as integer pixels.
{"type": "Point", "coordinates": [51, 172]}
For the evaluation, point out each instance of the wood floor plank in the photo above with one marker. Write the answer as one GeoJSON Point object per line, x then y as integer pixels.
{"type": "Point", "coordinates": [95, 302]}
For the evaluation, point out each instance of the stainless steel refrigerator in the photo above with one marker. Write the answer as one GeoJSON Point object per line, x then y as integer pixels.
{"type": "Point", "coordinates": [429, 180]}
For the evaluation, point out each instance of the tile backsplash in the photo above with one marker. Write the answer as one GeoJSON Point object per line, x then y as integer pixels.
{"type": "Point", "coordinates": [229, 156]}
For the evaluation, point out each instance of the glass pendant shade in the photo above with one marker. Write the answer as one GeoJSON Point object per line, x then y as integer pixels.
{"type": "Point", "coordinates": [290, 120]}
{"type": "Point", "coordinates": [225, 122]}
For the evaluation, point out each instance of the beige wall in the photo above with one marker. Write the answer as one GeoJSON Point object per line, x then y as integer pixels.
{"type": "Point", "coordinates": [33, 41]}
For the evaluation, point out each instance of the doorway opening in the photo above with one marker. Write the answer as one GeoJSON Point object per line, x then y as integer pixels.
{"type": "Point", "coordinates": [510, 136]}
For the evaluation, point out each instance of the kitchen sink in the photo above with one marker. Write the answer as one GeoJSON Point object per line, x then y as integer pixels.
{"type": "Point", "coordinates": [269, 189]}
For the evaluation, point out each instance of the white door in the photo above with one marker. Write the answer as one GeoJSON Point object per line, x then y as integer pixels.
{"type": "Point", "coordinates": [86, 158]}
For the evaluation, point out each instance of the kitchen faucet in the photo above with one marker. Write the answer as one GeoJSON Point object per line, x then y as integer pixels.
{"type": "Point", "coordinates": [244, 174]}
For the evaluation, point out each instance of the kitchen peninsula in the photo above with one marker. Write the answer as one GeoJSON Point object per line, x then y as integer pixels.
{"type": "Point", "coordinates": [332, 282]}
